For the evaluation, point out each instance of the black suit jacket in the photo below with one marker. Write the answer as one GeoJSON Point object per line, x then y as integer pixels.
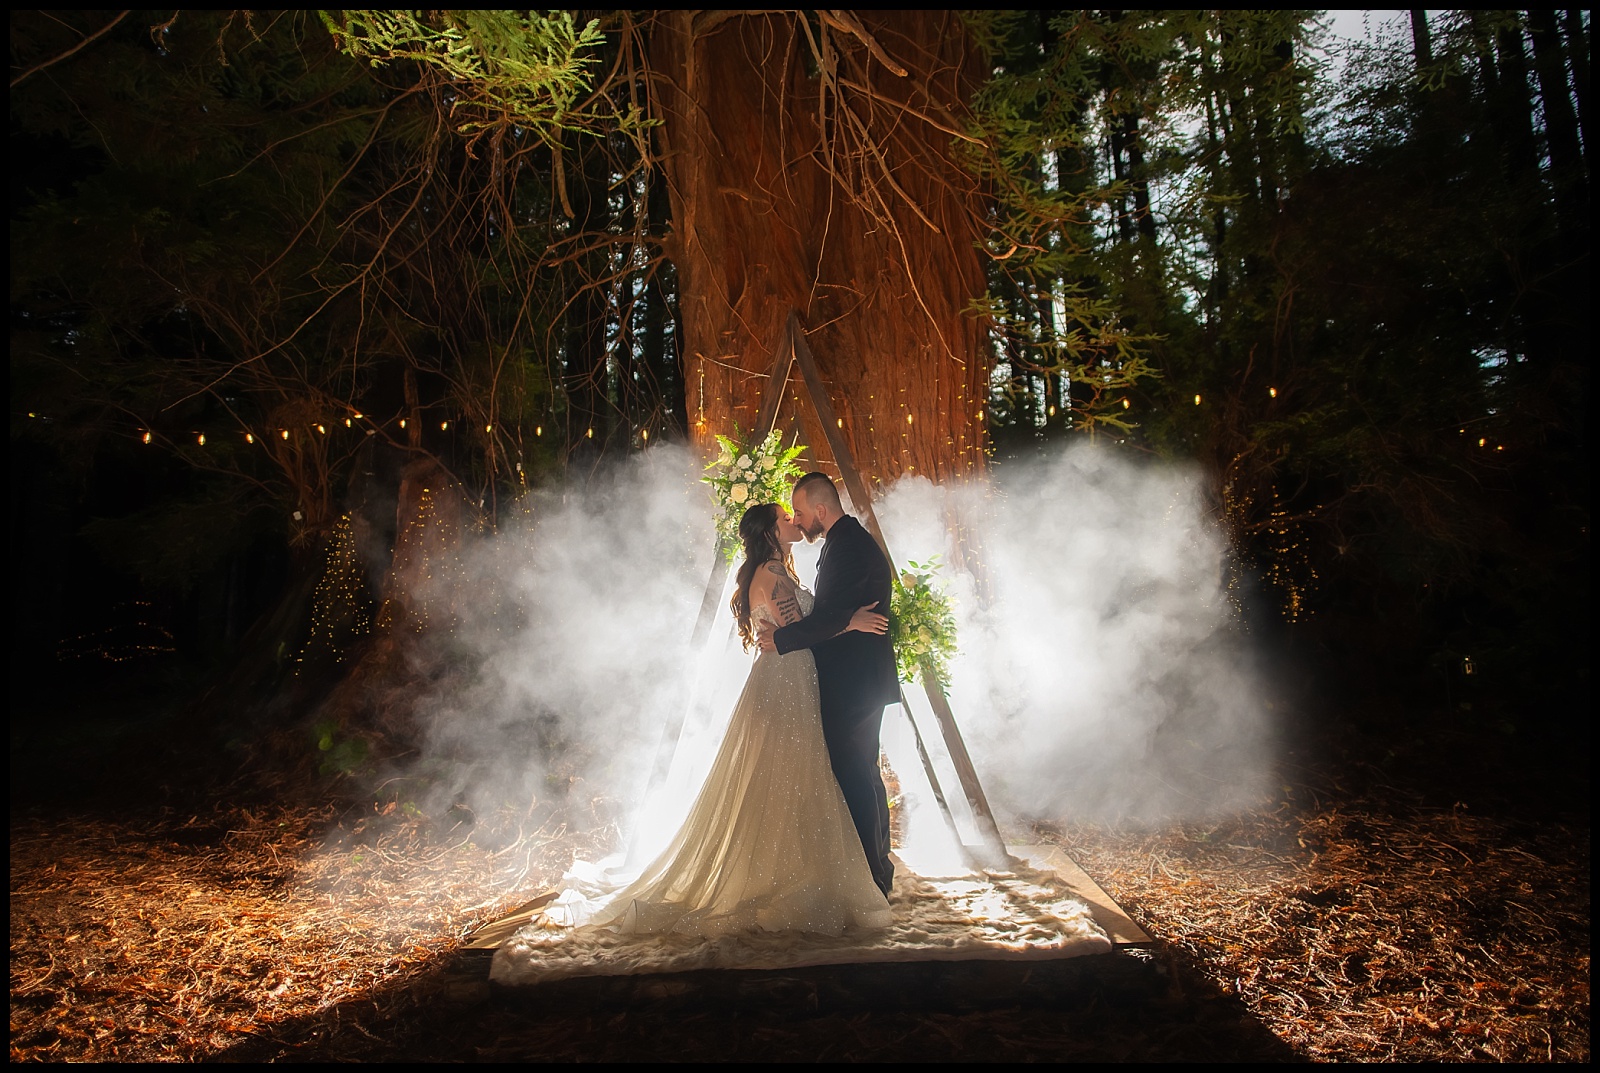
{"type": "Point", "coordinates": [854, 670]}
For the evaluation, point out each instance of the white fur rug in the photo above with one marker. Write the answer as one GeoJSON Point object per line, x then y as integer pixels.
{"type": "Point", "coordinates": [1019, 915]}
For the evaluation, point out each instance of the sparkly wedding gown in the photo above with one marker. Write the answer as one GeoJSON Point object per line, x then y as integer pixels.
{"type": "Point", "coordinates": [769, 844]}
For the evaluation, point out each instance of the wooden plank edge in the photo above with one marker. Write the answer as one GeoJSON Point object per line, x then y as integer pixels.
{"type": "Point", "coordinates": [1104, 908]}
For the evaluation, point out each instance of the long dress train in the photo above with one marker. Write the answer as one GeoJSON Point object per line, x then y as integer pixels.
{"type": "Point", "coordinates": [769, 844]}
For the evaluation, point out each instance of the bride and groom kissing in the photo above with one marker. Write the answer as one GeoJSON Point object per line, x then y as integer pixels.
{"type": "Point", "coordinates": [790, 830]}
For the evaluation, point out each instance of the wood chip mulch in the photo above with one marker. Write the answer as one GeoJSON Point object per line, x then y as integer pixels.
{"type": "Point", "coordinates": [1347, 920]}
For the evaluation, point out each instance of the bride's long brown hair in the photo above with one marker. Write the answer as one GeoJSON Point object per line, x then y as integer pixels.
{"type": "Point", "coordinates": [758, 532]}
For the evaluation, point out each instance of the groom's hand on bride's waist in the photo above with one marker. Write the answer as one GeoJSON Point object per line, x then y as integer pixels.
{"type": "Point", "coordinates": [764, 639]}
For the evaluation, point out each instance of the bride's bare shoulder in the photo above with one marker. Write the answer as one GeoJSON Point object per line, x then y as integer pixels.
{"type": "Point", "coordinates": [770, 578]}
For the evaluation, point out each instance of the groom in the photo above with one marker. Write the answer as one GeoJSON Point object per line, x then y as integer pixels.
{"type": "Point", "coordinates": [855, 671]}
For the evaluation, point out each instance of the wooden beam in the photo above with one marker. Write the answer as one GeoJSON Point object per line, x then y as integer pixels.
{"type": "Point", "coordinates": [833, 430]}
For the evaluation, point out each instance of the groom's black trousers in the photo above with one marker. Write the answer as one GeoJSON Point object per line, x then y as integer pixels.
{"type": "Point", "coordinates": [851, 732]}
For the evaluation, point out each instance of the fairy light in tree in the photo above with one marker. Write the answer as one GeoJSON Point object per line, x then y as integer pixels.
{"type": "Point", "coordinates": [146, 437]}
{"type": "Point", "coordinates": [1197, 400]}
{"type": "Point", "coordinates": [201, 439]}
{"type": "Point", "coordinates": [402, 422]}
{"type": "Point", "coordinates": [444, 425]}
{"type": "Point", "coordinates": [1272, 391]}
{"type": "Point", "coordinates": [285, 433]}
{"type": "Point", "coordinates": [322, 430]}
{"type": "Point", "coordinates": [338, 607]}
{"type": "Point", "coordinates": [249, 437]}
{"type": "Point", "coordinates": [347, 423]}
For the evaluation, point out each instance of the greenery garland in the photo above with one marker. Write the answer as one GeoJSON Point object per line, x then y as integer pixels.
{"type": "Point", "coordinates": [922, 624]}
{"type": "Point", "coordinates": [747, 474]}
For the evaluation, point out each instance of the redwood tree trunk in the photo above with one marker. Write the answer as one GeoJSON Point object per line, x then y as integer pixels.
{"type": "Point", "coordinates": [805, 173]}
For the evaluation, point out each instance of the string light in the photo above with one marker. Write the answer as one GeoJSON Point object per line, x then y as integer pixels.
{"type": "Point", "coordinates": [146, 435]}
{"type": "Point", "coordinates": [488, 428]}
{"type": "Point", "coordinates": [538, 430]}
{"type": "Point", "coordinates": [347, 423]}
{"type": "Point", "coordinates": [645, 435]}
{"type": "Point", "coordinates": [249, 437]}
{"type": "Point", "coordinates": [202, 439]}
{"type": "Point", "coordinates": [1197, 400]}
{"type": "Point", "coordinates": [322, 430]}
{"type": "Point", "coordinates": [339, 607]}
{"type": "Point", "coordinates": [1482, 442]}
{"type": "Point", "coordinates": [402, 422]}
{"type": "Point", "coordinates": [590, 434]}
{"type": "Point", "coordinates": [285, 433]}
{"type": "Point", "coordinates": [443, 425]}
{"type": "Point", "coordinates": [1126, 404]}
{"type": "Point", "coordinates": [1272, 391]}
{"type": "Point", "coordinates": [358, 417]}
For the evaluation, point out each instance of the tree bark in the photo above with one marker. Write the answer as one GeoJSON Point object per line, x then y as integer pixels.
{"type": "Point", "coordinates": [806, 174]}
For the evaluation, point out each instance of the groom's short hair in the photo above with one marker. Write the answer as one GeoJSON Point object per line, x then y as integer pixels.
{"type": "Point", "coordinates": [819, 488]}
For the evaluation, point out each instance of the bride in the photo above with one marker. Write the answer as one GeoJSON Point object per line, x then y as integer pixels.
{"type": "Point", "coordinates": [769, 844]}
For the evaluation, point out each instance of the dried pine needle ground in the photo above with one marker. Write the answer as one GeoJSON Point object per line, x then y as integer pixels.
{"type": "Point", "coordinates": [1349, 923]}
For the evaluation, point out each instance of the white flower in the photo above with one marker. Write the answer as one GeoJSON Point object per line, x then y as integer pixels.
{"type": "Point", "coordinates": [739, 492]}
{"type": "Point", "coordinates": [768, 462]}
{"type": "Point", "coordinates": [908, 579]}
{"type": "Point", "coordinates": [744, 462]}
{"type": "Point", "coordinates": [924, 635]}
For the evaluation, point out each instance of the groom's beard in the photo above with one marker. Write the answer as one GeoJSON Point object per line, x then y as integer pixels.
{"type": "Point", "coordinates": [811, 532]}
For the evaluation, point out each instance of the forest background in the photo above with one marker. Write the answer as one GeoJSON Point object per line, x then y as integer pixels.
{"type": "Point", "coordinates": [274, 274]}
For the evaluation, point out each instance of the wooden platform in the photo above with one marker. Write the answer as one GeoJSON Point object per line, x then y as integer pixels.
{"type": "Point", "coordinates": [1106, 912]}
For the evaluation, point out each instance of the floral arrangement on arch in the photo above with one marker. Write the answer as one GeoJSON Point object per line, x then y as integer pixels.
{"type": "Point", "coordinates": [922, 624]}
{"type": "Point", "coordinates": [744, 474]}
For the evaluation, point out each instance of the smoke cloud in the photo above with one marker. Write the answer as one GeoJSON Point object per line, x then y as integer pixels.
{"type": "Point", "coordinates": [1106, 679]}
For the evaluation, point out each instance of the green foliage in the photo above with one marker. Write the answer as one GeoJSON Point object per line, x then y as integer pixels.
{"type": "Point", "coordinates": [529, 67]}
{"type": "Point", "coordinates": [746, 474]}
{"type": "Point", "coordinates": [922, 624]}
{"type": "Point", "coordinates": [340, 755]}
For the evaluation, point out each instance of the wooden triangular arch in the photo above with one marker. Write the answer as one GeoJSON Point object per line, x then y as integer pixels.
{"type": "Point", "coordinates": [793, 350]}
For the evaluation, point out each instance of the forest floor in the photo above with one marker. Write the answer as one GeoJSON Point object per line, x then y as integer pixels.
{"type": "Point", "coordinates": [1374, 910]}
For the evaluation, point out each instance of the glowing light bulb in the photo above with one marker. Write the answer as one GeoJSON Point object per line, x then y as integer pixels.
{"type": "Point", "coordinates": [1197, 400]}
{"type": "Point", "coordinates": [1052, 411]}
{"type": "Point", "coordinates": [1126, 404]}
{"type": "Point", "coordinates": [249, 437]}
{"type": "Point", "coordinates": [538, 430]}
{"type": "Point", "coordinates": [488, 428]}
{"type": "Point", "coordinates": [840, 421]}
{"type": "Point", "coordinates": [1272, 391]}
{"type": "Point", "coordinates": [358, 417]}
{"type": "Point", "coordinates": [908, 418]}
{"type": "Point", "coordinates": [645, 434]}
{"type": "Point", "coordinates": [322, 430]}
{"type": "Point", "coordinates": [443, 425]}
{"type": "Point", "coordinates": [202, 439]}
{"type": "Point", "coordinates": [1482, 442]}
{"type": "Point", "coordinates": [285, 433]}
{"type": "Point", "coordinates": [402, 422]}
{"type": "Point", "coordinates": [146, 435]}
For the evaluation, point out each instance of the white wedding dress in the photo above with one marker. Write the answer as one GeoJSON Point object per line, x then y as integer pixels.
{"type": "Point", "coordinates": [769, 844]}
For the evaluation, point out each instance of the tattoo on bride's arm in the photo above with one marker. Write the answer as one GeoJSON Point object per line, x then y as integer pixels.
{"type": "Point", "coordinates": [786, 601]}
